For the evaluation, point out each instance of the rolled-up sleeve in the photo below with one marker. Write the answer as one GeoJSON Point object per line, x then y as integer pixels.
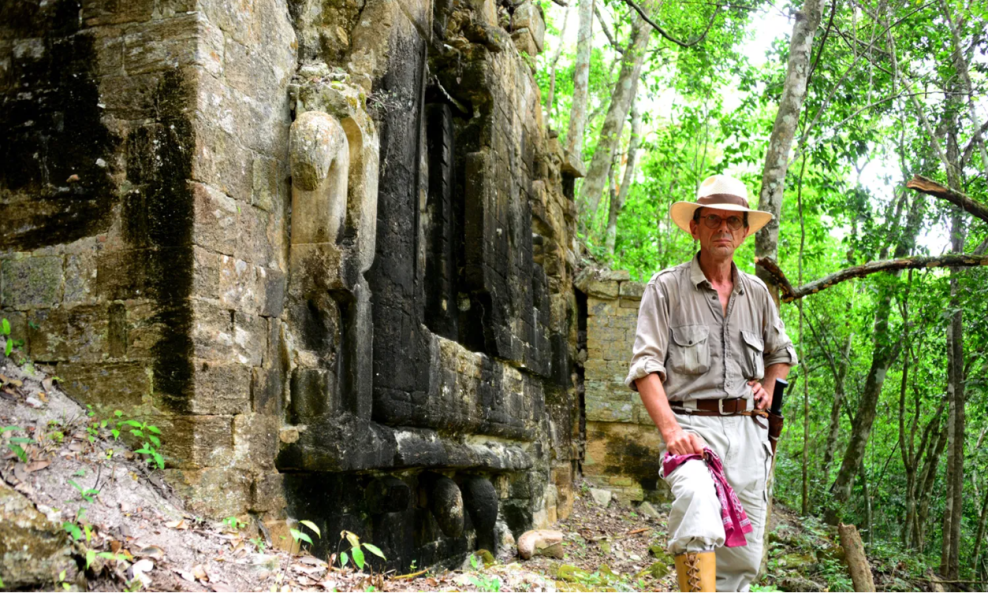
{"type": "Point", "coordinates": [651, 337]}
{"type": "Point", "coordinates": [778, 346]}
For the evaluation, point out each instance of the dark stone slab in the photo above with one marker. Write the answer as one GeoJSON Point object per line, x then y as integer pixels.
{"type": "Point", "coordinates": [388, 494]}
{"type": "Point", "coordinates": [446, 504]}
{"type": "Point", "coordinates": [481, 501]}
{"type": "Point", "coordinates": [344, 443]}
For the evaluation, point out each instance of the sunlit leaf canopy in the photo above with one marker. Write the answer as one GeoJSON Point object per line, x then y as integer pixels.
{"type": "Point", "coordinates": [896, 89]}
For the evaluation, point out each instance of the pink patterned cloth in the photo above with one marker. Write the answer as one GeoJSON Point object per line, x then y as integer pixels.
{"type": "Point", "coordinates": [736, 522]}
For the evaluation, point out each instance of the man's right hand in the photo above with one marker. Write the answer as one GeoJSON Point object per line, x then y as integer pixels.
{"type": "Point", "coordinates": [680, 442]}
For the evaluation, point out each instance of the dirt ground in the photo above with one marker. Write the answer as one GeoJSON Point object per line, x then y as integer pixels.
{"type": "Point", "coordinates": [135, 534]}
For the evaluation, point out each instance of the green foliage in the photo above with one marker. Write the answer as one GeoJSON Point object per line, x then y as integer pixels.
{"type": "Point", "coordinates": [15, 444]}
{"type": "Point", "coordinates": [87, 494]}
{"type": "Point", "coordinates": [861, 135]}
{"type": "Point", "coordinates": [142, 430]}
{"type": "Point", "coordinates": [481, 581]}
{"type": "Point", "coordinates": [355, 552]}
{"type": "Point", "coordinates": [234, 524]}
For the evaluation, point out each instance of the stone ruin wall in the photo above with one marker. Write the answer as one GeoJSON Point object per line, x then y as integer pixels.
{"type": "Point", "coordinates": [324, 245]}
{"type": "Point", "coordinates": [620, 439]}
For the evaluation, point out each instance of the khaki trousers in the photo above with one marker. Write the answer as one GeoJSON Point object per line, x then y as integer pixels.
{"type": "Point", "coordinates": [695, 522]}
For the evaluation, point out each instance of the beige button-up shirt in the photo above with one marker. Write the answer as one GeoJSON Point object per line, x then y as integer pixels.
{"type": "Point", "coordinates": [697, 350]}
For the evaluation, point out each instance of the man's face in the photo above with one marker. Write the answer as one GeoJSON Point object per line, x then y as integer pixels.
{"type": "Point", "coordinates": [722, 240]}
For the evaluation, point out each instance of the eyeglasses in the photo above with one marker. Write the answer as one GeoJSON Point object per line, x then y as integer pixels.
{"type": "Point", "coordinates": [713, 221]}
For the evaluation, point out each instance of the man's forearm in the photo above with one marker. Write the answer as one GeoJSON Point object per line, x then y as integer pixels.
{"type": "Point", "coordinates": [654, 398]}
{"type": "Point", "coordinates": [773, 372]}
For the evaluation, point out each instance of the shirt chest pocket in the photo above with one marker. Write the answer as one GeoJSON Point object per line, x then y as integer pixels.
{"type": "Point", "coordinates": [689, 352]}
{"type": "Point", "coordinates": [754, 355]}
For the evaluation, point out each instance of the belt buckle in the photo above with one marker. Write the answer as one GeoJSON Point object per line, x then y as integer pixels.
{"type": "Point", "coordinates": [720, 407]}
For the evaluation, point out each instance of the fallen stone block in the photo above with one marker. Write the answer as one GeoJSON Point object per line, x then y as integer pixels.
{"type": "Point", "coordinates": [543, 542]}
{"type": "Point", "coordinates": [646, 509]}
{"type": "Point", "coordinates": [33, 549]}
{"type": "Point", "coordinates": [601, 496]}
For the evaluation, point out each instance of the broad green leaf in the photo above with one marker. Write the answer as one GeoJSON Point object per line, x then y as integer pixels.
{"type": "Point", "coordinates": [5, 327]}
{"type": "Point", "coordinates": [312, 526]}
{"type": "Point", "coordinates": [374, 550]}
{"type": "Point", "coordinates": [72, 529]}
{"type": "Point", "coordinates": [358, 557]}
{"type": "Point", "coordinates": [344, 558]}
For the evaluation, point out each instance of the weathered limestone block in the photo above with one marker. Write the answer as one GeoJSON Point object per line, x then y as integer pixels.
{"type": "Point", "coordinates": [214, 491]}
{"type": "Point", "coordinates": [33, 549]}
{"type": "Point", "coordinates": [267, 493]}
{"type": "Point", "coordinates": [107, 386]}
{"type": "Point", "coordinates": [31, 282]}
{"type": "Point", "coordinates": [216, 216]}
{"type": "Point", "coordinates": [186, 39]}
{"type": "Point", "coordinates": [485, 11]}
{"type": "Point", "coordinates": [529, 16]}
{"type": "Point", "coordinates": [632, 290]}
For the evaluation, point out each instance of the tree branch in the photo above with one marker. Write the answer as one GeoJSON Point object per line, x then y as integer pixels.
{"type": "Point", "coordinates": [932, 188]}
{"type": "Point", "coordinates": [789, 294]}
{"type": "Point", "coordinates": [607, 30]}
{"type": "Point", "coordinates": [662, 32]}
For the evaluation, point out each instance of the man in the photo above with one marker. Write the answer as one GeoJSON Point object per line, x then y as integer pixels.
{"type": "Point", "coordinates": [708, 349]}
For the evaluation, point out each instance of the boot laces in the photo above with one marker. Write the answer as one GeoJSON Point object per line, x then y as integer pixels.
{"type": "Point", "coordinates": [693, 571]}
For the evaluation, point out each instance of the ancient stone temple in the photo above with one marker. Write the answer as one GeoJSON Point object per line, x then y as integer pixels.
{"type": "Point", "coordinates": [323, 244]}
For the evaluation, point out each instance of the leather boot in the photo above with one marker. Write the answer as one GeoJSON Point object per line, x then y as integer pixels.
{"type": "Point", "coordinates": [697, 571]}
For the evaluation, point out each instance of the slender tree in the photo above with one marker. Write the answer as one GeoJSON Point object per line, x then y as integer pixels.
{"type": "Point", "coordinates": [629, 174]}
{"type": "Point", "coordinates": [617, 112]}
{"type": "Point", "coordinates": [784, 129]}
{"type": "Point", "coordinates": [581, 80]}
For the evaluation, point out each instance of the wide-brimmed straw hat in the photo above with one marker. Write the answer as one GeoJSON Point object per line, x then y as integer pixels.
{"type": "Point", "coordinates": [723, 193]}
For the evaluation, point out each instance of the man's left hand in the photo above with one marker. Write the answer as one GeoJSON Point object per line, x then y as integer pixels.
{"type": "Point", "coordinates": [763, 399]}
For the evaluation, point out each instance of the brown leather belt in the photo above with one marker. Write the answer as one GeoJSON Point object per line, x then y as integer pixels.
{"type": "Point", "coordinates": [735, 406]}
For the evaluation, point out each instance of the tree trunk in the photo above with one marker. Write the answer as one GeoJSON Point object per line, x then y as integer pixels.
{"type": "Point", "coordinates": [964, 78]}
{"type": "Point", "coordinates": [552, 70]}
{"type": "Point", "coordinates": [885, 351]}
{"type": "Point", "coordinates": [979, 538]}
{"type": "Point", "coordinates": [954, 508]}
{"type": "Point", "coordinates": [908, 441]}
{"type": "Point", "coordinates": [617, 112]}
{"type": "Point", "coordinates": [629, 174]}
{"type": "Point", "coordinates": [834, 431]}
{"type": "Point", "coordinates": [867, 500]}
{"type": "Point", "coordinates": [784, 129]}
{"type": "Point", "coordinates": [886, 348]}
{"type": "Point", "coordinates": [805, 500]}
{"type": "Point", "coordinates": [581, 80]}
{"type": "Point", "coordinates": [856, 559]}
{"type": "Point", "coordinates": [928, 480]}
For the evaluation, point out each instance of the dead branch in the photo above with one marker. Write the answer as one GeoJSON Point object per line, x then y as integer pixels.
{"type": "Point", "coordinates": [854, 556]}
{"type": "Point", "coordinates": [789, 294]}
{"type": "Point", "coordinates": [607, 31]}
{"type": "Point", "coordinates": [932, 188]}
{"type": "Point", "coordinates": [683, 44]}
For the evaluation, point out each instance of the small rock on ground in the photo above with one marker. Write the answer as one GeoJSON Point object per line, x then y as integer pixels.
{"type": "Point", "coordinates": [601, 496]}
{"type": "Point", "coordinates": [646, 509]}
